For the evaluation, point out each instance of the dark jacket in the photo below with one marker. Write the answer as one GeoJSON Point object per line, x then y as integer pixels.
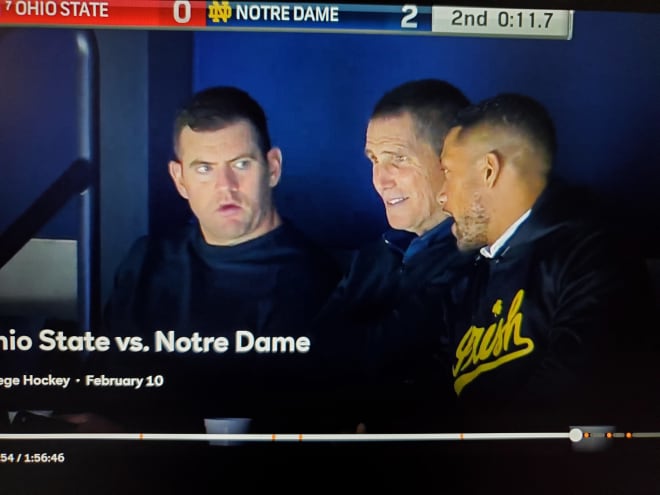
{"type": "Point", "coordinates": [271, 286]}
{"type": "Point", "coordinates": [545, 334]}
{"type": "Point", "coordinates": [383, 326]}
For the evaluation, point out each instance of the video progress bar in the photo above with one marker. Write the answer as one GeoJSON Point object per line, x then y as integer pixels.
{"type": "Point", "coordinates": [574, 435]}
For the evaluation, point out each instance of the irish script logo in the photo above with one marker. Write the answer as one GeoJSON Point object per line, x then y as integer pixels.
{"type": "Point", "coordinates": [484, 349]}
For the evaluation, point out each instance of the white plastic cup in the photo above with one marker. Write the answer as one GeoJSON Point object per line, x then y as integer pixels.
{"type": "Point", "coordinates": [225, 426]}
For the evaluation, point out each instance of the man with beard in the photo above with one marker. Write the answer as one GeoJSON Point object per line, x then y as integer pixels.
{"type": "Point", "coordinates": [547, 330]}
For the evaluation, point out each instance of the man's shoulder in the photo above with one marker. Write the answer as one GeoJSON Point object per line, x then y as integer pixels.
{"type": "Point", "coordinates": [389, 251]}
{"type": "Point", "coordinates": [166, 248]}
{"type": "Point", "coordinates": [573, 205]}
{"type": "Point", "coordinates": [301, 256]}
{"type": "Point", "coordinates": [571, 237]}
{"type": "Point", "coordinates": [376, 255]}
{"type": "Point", "coordinates": [288, 234]}
{"type": "Point", "coordinates": [564, 217]}
{"type": "Point", "coordinates": [290, 238]}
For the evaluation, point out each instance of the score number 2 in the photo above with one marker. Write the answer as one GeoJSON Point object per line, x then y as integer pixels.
{"type": "Point", "coordinates": [407, 21]}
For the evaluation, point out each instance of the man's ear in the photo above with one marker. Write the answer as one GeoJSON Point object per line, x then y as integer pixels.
{"type": "Point", "coordinates": [274, 161]}
{"type": "Point", "coordinates": [176, 172]}
{"type": "Point", "coordinates": [492, 168]}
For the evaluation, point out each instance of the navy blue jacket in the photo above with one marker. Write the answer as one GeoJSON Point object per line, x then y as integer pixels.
{"type": "Point", "coordinates": [383, 327]}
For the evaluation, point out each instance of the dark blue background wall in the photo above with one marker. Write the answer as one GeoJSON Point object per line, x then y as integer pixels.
{"type": "Point", "coordinates": [38, 121]}
{"type": "Point", "coordinates": [602, 87]}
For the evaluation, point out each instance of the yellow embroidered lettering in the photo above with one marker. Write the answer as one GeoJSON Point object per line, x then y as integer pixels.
{"type": "Point", "coordinates": [465, 348]}
{"type": "Point", "coordinates": [514, 318]}
{"type": "Point", "coordinates": [487, 344]}
{"type": "Point", "coordinates": [483, 350]}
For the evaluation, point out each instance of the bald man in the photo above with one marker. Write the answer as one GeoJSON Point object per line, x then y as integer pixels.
{"type": "Point", "coordinates": [544, 328]}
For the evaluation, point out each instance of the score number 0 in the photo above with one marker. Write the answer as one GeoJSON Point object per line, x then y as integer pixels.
{"type": "Point", "coordinates": [182, 11]}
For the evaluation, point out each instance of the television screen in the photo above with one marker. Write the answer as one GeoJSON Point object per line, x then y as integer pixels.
{"type": "Point", "coordinates": [145, 345]}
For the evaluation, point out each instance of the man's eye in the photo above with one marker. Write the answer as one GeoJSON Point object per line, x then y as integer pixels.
{"type": "Point", "coordinates": [241, 164]}
{"type": "Point", "coordinates": [203, 169]}
{"type": "Point", "coordinates": [400, 159]}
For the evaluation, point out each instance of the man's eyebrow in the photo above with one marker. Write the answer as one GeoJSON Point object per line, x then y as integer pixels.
{"type": "Point", "coordinates": [401, 150]}
{"type": "Point", "coordinates": [243, 156]}
{"type": "Point", "coordinates": [196, 162]}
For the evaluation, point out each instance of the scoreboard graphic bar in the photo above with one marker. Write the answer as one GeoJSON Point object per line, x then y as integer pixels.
{"type": "Point", "coordinates": [370, 18]}
{"type": "Point", "coordinates": [281, 16]}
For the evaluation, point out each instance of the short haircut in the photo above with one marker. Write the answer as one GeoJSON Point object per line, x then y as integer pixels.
{"type": "Point", "coordinates": [517, 112]}
{"type": "Point", "coordinates": [432, 103]}
{"type": "Point", "coordinates": [215, 108]}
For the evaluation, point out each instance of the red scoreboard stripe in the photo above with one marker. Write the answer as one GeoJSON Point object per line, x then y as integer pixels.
{"type": "Point", "coordinates": [109, 13]}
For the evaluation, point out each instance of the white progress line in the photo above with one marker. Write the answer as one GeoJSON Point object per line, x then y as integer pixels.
{"type": "Point", "coordinates": [292, 437]}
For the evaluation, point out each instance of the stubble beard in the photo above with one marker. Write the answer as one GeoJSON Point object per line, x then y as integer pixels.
{"type": "Point", "coordinates": [472, 231]}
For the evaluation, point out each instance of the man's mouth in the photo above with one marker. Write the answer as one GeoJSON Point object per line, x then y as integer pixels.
{"type": "Point", "coordinates": [228, 209]}
{"type": "Point", "coordinates": [396, 201]}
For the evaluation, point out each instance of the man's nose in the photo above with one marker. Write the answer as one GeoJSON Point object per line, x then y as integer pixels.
{"type": "Point", "coordinates": [382, 177]}
{"type": "Point", "coordinates": [226, 179]}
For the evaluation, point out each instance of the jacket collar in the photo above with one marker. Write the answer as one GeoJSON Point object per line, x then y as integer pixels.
{"type": "Point", "coordinates": [408, 244]}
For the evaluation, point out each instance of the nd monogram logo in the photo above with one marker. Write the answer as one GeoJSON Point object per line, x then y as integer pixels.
{"type": "Point", "coordinates": [220, 12]}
